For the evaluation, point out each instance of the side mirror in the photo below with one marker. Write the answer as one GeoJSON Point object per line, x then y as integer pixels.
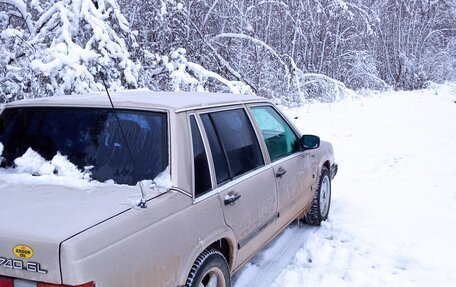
{"type": "Point", "coordinates": [309, 142]}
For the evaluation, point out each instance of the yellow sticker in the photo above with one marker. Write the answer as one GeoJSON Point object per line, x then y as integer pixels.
{"type": "Point", "coordinates": [23, 251]}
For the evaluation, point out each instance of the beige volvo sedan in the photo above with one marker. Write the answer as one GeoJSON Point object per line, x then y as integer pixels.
{"type": "Point", "coordinates": [239, 172]}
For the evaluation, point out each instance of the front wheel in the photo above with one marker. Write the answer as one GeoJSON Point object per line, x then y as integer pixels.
{"type": "Point", "coordinates": [209, 270]}
{"type": "Point", "coordinates": [322, 200]}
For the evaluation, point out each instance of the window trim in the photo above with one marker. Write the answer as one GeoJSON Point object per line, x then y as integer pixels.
{"type": "Point", "coordinates": [222, 146]}
{"type": "Point", "coordinates": [216, 106]}
{"type": "Point", "coordinates": [206, 150]}
{"type": "Point", "coordinates": [259, 135]}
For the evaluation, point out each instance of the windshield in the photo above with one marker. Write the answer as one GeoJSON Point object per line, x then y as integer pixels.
{"type": "Point", "coordinates": [90, 138]}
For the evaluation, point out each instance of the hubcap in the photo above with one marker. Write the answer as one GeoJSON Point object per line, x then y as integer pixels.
{"type": "Point", "coordinates": [213, 278]}
{"type": "Point", "coordinates": [325, 195]}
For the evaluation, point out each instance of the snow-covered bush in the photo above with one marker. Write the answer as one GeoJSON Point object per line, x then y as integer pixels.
{"type": "Point", "coordinates": [361, 71]}
{"type": "Point", "coordinates": [315, 87]}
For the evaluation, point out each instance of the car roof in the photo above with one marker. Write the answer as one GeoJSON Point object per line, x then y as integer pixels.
{"type": "Point", "coordinates": [174, 101]}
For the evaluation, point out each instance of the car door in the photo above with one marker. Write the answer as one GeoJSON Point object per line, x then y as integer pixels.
{"type": "Point", "coordinates": [246, 186]}
{"type": "Point", "coordinates": [291, 166]}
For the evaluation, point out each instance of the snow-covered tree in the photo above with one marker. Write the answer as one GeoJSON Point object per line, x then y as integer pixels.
{"type": "Point", "coordinates": [63, 47]}
{"type": "Point", "coordinates": [16, 26]}
{"type": "Point", "coordinates": [162, 34]}
{"type": "Point", "coordinates": [80, 41]}
{"type": "Point", "coordinates": [174, 72]}
{"type": "Point", "coordinates": [292, 51]}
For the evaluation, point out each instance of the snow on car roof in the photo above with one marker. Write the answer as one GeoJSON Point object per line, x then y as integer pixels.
{"type": "Point", "coordinates": [175, 101]}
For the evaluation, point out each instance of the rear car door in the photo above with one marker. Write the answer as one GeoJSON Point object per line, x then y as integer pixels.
{"type": "Point", "coordinates": [292, 166]}
{"type": "Point", "coordinates": [246, 186]}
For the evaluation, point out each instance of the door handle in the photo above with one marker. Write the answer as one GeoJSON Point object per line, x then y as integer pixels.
{"type": "Point", "coordinates": [280, 172]}
{"type": "Point", "coordinates": [231, 198]}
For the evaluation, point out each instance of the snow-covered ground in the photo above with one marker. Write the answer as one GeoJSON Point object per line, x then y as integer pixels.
{"type": "Point", "coordinates": [393, 215]}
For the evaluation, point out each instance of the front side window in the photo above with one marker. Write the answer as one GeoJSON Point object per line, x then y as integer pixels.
{"type": "Point", "coordinates": [277, 133]}
{"type": "Point", "coordinates": [90, 138]}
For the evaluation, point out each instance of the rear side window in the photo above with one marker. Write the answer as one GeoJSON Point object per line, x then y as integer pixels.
{"type": "Point", "coordinates": [277, 133]}
{"type": "Point", "coordinates": [235, 143]}
{"type": "Point", "coordinates": [200, 164]}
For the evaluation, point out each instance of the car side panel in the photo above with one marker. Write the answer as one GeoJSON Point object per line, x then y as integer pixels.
{"type": "Point", "coordinates": [158, 246]}
{"type": "Point", "coordinates": [294, 187]}
{"type": "Point", "coordinates": [252, 217]}
{"type": "Point", "coordinates": [155, 246]}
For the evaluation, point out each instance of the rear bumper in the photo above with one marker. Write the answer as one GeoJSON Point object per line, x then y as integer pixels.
{"type": "Point", "coordinates": [334, 169]}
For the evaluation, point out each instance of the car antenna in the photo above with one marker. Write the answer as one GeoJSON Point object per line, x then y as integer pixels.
{"type": "Point", "coordinates": [142, 203]}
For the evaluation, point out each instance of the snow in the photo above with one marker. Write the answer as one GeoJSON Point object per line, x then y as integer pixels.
{"type": "Point", "coordinates": [1, 152]}
{"type": "Point", "coordinates": [162, 182]}
{"type": "Point", "coordinates": [33, 163]}
{"type": "Point", "coordinates": [163, 9]}
{"type": "Point", "coordinates": [392, 218]}
{"type": "Point", "coordinates": [32, 169]}
{"type": "Point", "coordinates": [22, 9]}
{"type": "Point", "coordinates": [35, 4]}
{"type": "Point", "coordinates": [187, 75]}
{"type": "Point", "coordinates": [392, 215]}
{"type": "Point", "coordinates": [254, 40]}
{"type": "Point", "coordinates": [9, 32]}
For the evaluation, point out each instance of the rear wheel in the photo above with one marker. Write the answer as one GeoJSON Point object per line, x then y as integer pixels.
{"type": "Point", "coordinates": [322, 200]}
{"type": "Point", "coordinates": [209, 270]}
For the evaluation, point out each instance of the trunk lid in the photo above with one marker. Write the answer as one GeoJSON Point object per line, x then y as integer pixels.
{"type": "Point", "coordinates": [36, 218]}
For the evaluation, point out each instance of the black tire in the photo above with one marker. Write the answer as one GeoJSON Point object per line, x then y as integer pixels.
{"type": "Point", "coordinates": [209, 265]}
{"type": "Point", "coordinates": [319, 212]}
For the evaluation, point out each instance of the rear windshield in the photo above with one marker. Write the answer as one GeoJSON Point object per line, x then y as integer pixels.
{"type": "Point", "coordinates": [90, 137]}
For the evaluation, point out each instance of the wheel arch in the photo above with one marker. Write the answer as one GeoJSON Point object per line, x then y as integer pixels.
{"type": "Point", "coordinates": [327, 164]}
{"type": "Point", "coordinates": [226, 247]}
{"type": "Point", "coordinates": [224, 243]}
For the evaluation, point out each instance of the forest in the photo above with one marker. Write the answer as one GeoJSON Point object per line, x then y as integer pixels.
{"type": "Point", "coordinates": [287, 50]}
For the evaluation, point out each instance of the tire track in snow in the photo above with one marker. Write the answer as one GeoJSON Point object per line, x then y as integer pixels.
{"type": "Point", "coordinates": [263, 268]}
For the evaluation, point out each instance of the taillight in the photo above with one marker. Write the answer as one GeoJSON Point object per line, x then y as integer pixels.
{"type": "Point", "coordinates": [11, 282]}
{"type": "Point", "coordinates": [6, 282]}
{"type": "Point", "coordinates": [90, 284]}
